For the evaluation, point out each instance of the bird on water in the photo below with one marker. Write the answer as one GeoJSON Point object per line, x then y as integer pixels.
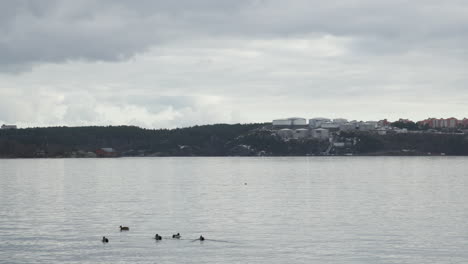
{"type": "Point", "coordinates": [157, 237]}
{"type": "Point", "coordinates": [124, 228]}
{"type": "Point", "coordinates": [105, 239]}
{"type": "Point", "coordinates": [176, 236]}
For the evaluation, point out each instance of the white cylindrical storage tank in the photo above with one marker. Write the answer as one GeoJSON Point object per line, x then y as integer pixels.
{"type": "Point", "coordinates": [298, 121]}
{"type": "Point", "coordinates": [282, 122]}
{"type": "Point", "coordinates": [301, 133]}
{"type": "Point", "coordinates": [317, 122]}
{"type": "Point", "coordinates": [285, 133]}
{"type": "Point", "coordinates": [330, 125]}
{"type": "Point", "coordinates": [321, 133]}
{"type": "Point", "coordinates": [340, 120]}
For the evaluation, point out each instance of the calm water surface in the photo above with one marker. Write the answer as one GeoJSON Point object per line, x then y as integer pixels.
{"type": "Point", "coordinates": [251, 210]}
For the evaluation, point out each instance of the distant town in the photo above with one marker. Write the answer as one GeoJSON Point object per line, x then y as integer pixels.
{"type": "Point", "coordinates": [336, 131]}
{"type": "Point", "coordinates": [325, 128]}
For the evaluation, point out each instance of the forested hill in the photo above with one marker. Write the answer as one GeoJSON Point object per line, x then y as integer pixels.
{"type": "Point", "coordinates": [208, 140]}
{"type": "Point", "coordinates": [216, 140]}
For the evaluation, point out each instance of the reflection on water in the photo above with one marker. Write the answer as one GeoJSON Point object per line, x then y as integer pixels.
{"type": "Point", "coordinates": [250, 210]}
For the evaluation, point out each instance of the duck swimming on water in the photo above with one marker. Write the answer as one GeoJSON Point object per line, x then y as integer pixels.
{"type": "Point", "coordinates": [124, 228]}
{"type": "Point", "coordinates": [157, 237]}
{"type": "Point", "coordinates": [176, 236]}
{"type": "Point", "coordinates": [202, 238]}
{"type": "Point", "coordinates": [105, 239]}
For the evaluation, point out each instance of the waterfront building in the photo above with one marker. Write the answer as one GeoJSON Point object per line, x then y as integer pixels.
{"type": "Point", "coordinates": [106, 152]}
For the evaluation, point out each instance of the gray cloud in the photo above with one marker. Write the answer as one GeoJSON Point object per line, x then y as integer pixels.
{"type": "Point", "coordinates": [177, 63]}
{"type": "Point", "coordinates": [57, 31]}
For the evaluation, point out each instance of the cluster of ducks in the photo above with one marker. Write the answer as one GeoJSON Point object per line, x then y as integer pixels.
{"type": "Point", "coordinates": [176, 236]}
{"type": "Point", "coordinates": [157, 236]}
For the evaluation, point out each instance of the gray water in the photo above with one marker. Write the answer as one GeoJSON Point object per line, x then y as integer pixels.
{"type": "Point", "coordinates": [250, 210]}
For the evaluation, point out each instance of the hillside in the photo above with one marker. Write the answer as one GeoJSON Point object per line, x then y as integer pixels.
{"type": "Point", "coordinates": [214, 140]}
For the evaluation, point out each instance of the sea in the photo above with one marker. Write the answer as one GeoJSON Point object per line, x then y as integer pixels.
{"type": "Point", "coordinates": [248, 209]}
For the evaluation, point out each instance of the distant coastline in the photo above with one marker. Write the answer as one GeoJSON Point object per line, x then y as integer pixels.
{"type": "Point", "coordinates": [261, 139]}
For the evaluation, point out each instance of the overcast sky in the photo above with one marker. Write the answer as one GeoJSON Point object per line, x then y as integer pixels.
{"type": "Point", "coordinates": [165, 64]}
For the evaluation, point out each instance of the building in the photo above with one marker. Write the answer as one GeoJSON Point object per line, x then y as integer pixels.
{"type": "Point", "coordinates": [320, 134]}
{"type": "Point", "coordinates": [339, 144]}
{"type": "Point", "coordinates": [290, 122]}
{"type": "Point", "coordinates": [367, 126]}
{"type": "Point", "coordinates": [330, 125]}
{"type": "Point", "coordinates": [382, 131]}
{"type": "Point", "coordinates": [8, 126]}
{"type": "Point", "coordinates": [383, 123]}
{"type": "Point", "coordinates": [463, 123]}
{"type": "Point", "coordinates": [340, 120]}
{"type": "Point", "coordinates": [348, 126]}
{"type": "Point", "coordinates": [301, 133]}
{"type": "Point", "coordinates": [298, 121]}
{"type": "Point", "coordinates": [401, 130]}
{"type": "Point", "coordinates": [431, 122]}
{"type": "Point", "coordinates": [282, 122]}
{"type": "Point", "coordinates": [285, 133]}
{"type": "Point", "coordinates": [451, 122]}
{"type": "Point", "coordinates": [106, 152]}
{"type": "Point", "coordinates": [318, 121]}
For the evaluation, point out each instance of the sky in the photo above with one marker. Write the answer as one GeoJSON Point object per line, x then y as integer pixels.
{"type": "Point", "coordinates": [167, 64]}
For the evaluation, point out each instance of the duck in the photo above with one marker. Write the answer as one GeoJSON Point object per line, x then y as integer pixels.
{"type": "Point", "coordinates": [124, 228]}
{"type": "Point", "coordinates": [105, 239]}
{"type": "Point", "coordinates": [157, 237]}
{"type": "Point", "coordinates": [176, 236]}
{"type": "Point", "coordinates": [202, 238]}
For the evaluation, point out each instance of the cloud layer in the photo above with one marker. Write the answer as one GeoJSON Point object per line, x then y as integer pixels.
{"type": "Point", "coordinates": [160, 64]}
